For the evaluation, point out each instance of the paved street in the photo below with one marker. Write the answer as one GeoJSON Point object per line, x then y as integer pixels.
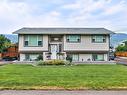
{"type": "Point", "coordinates": [39, 92]}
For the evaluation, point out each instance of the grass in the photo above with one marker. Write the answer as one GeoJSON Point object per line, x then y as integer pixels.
{"type": "Point", "coordinates": [17, 76]}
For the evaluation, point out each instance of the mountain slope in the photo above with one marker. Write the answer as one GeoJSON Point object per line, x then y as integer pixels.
{"type": "Point", "coordinates": [12, 37]}
{"type": "Point", "coordinates": [117, 38]}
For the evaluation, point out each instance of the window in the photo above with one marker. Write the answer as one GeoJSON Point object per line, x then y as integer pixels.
{"type": "Point", "coordinates": [73, 38]}
{"type": "Point", "coordinates": [39, 40]}
{"type": "Point", "coordinates": [32, 40]}
{"type": "Point", "coordinates": [98, 57]}
{"type": "Point", "coordinates": [31, 57]}
{"type": "Point", "coordinates": [39, 43]}
{"type": "Point", "coordinates": [27, 56]}
{"type": "Point", "coordinates": [98, 39]}
{"type": "Point", "coordinates": [26, 40]}
{"type": "Point", "coordinates": [74, 57]}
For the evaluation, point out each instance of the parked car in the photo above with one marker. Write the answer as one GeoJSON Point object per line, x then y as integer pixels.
{"type": "Point", "coordinates": [9, 59]}
{"type": "Point", "coordinates": [111, 57]}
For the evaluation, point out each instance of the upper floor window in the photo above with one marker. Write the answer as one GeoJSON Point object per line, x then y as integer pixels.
{"type": "Point", "coordinates": [73, 38]}
{"type": "Point", "coordinates": [98, 39]}
{"type": "Point", "coordinates": [32, 40]}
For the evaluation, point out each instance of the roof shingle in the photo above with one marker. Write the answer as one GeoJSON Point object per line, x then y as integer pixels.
{"type": "Point", "coordinates": [63, 31]}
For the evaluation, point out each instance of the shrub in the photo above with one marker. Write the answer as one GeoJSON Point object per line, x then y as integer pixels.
{"type": "Point", "coordinates": [52, 62]}
{"type": "Point", "coordinates": [69, 58]}
{"type": "Point", "coordinates": [40, 63]}
{"type": "Point", "coordinates": [40, 57]}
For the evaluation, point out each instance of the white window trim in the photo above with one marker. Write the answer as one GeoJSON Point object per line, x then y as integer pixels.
{"type": "Point", "coordinates": [36, 41]}
{"type": "Point", "coordinates": [95, 36]}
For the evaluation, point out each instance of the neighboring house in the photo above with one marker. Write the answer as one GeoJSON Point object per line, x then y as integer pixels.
{"type": "Point", "coordinates": [82, 44]}
{"type": "Point", "coordinates": [10, 53]}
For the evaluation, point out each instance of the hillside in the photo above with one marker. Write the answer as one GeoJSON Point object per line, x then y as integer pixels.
{"type": "Point", "coordinates": [117, 38]}
{"type": "Point", "coordinates": [12, 37]}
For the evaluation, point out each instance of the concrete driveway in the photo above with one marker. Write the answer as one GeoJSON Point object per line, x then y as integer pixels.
{"type": "Point", "coordinates": [39, 92]}
{"type": "Point", "coordinates": [121, 60]}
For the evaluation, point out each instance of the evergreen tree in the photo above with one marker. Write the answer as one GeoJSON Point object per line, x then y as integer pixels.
{"type": "Point", "coordinates": [4, 43]}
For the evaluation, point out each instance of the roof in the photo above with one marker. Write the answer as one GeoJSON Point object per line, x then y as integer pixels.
{"type": "Point", "coordinates": [63, 31]}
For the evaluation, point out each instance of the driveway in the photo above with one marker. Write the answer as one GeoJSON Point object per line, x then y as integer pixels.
{"type": "Point", "coordinates": [39, 92]}
{"type": "Point", "coordinates": [121, 60]}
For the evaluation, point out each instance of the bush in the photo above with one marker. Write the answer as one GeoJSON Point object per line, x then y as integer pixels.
{"type": "Point", "coordinates": [69, 58]}
{"type": "Point", "coordinates": [52, 62]}
{"type": "Point", "coordinates": [40, 57]}
{"type": "Point", "coordinates": [40, 63]}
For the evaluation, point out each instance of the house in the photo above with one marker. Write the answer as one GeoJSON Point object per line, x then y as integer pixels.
{"type": "Point", "coordinates": [10, 53]}
{"type": "Point", "coordinates": [82, 44]}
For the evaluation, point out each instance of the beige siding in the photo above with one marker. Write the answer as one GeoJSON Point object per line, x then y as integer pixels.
{"type": "Point", "coordinates": [22, 57]}
{"type": "Point", "coordinates": [43, 48]}
{"type": "Point", "coordinates": [86, 45]}
{"type": "Point", "coordinates": [106, 57]}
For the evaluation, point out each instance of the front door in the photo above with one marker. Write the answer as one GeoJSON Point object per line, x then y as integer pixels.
{"type": "Point", "coordinates": [53, 51]}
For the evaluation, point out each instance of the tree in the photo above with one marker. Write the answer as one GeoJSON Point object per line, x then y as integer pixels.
{"type": "Point", "coordinates": [69, 58]}
{"type": "Point", "coordinates": [121, 48]}
{"type": "Point", "coordinates": [4, 43]}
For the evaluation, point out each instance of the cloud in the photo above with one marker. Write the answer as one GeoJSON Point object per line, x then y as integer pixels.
{"type": "Point", "coordinates": [120, 7]}
{"type": "Point", "coordinates": [99, 13]}
{"type": "Point", "coordinates": [15, 14]}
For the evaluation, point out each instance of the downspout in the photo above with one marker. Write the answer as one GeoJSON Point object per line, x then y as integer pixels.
{"type": "Point", "coordinates": [109, 48]}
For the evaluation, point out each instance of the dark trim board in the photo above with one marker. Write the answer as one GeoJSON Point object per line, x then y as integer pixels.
{"type": "Point", "coordinates": [80, 52]}
{"type": "Point", "coordinates": [32, 51]}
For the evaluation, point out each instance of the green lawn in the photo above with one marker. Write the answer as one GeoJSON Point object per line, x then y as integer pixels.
{"type": "Point", "coordinates": [16, 76]}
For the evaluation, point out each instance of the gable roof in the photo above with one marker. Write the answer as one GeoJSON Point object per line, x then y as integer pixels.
{"type": "Point", "coordinates": [63, 31]}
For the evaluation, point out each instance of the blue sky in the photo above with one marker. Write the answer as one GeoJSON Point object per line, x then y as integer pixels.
{"type": "Point", "coordinates": [15, 14]}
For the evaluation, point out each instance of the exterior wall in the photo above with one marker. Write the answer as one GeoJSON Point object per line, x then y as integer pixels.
{"type": "Point", "coordinates": [11, 52]}
{"type": "Point", "coordinates": [82, 57]}
{"type": "Point", "coordinates": [43, 48]}
{"type": "Point", "coordinates": [86, 45]}
{"type": "Point", "coordinates": [106, 57]}
{"type": "Point", "coordinates": [22, 57]}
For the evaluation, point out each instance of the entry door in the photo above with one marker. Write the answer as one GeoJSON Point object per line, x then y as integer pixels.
{"type": "Point", "coordinates": [53, 51]}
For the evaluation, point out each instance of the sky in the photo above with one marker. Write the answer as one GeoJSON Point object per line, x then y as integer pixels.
{"type": "Point", "coordinates": [110, 14]}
